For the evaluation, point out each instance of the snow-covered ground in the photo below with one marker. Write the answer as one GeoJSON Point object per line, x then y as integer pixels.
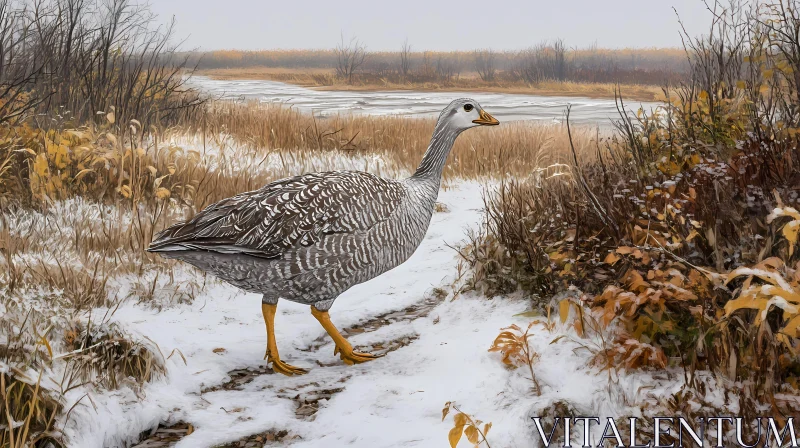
{"type": "Point", "coordinates": [393, 401]}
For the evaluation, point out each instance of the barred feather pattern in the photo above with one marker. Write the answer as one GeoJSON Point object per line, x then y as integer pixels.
{"type": "Point", "coordinates": [309, 238]}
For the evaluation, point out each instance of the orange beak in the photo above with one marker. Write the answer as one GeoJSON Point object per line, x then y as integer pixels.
{"type": "Point", "coordinates": [486, 119]}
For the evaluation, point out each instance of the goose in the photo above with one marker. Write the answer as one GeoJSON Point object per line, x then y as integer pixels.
{"type": "Point", "coordinates": [309, 238]}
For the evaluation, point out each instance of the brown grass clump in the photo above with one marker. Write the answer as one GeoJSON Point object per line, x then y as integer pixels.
{"type": "Point", "coordinates": [104, 355]}
{"type": "Point", "coordinates": [27, 411]}
{"type": "Point", "coordinates": [28, 405]}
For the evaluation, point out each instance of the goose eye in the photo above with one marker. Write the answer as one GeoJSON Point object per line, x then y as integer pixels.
{"type": "Point", "coordinates": [468, 107]}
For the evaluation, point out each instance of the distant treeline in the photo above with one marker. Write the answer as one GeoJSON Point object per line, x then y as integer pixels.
{"type": "Point", "coordinates": [546, 61]}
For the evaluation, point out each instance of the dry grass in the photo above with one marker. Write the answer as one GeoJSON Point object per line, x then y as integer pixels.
{"type": "Point", "coordinates": [514, 149]}
{"type": "Point", "coordinates": [26, 409]}
{"type": "Point", "coordinates": [324, 79]}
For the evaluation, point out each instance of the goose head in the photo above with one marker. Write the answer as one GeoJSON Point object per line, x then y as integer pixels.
{"type": "Point", "coordinates": [465, 113]}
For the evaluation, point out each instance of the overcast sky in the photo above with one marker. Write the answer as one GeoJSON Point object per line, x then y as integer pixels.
{"type": "Point", "coordinates": [430, 24]}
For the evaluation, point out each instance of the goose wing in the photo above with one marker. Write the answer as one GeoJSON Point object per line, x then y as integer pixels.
{"type": "Point", "coordinates": [301, 210]}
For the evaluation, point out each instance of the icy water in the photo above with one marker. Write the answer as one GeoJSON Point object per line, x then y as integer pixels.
{"type": "Point", "coordinates": [504, 106]}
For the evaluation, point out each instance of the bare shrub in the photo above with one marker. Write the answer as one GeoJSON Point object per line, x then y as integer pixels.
{"type": "Point", "coordinates": [405, 59]}
{"type": "Point", "coordinates": [91, 56]}
{"type": "Point", "coordinates": [543, 62]}
{"type": "Point", "coordinates": [20, 65]}
{"type": "Point", "coordinates": [485, 64]}
{"type": "Point", "coordinates": [350, 57]}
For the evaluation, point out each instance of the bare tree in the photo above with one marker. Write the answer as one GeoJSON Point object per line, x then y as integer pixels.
{"type": "Point", "coordinates": [349, 58]}
{"type": "Point", "coordinates": [716, 60]}
{"type": "Point", "coordinates": [74, 58]}
{"type": "Point", "coordinates": [528, 64]}
{"type": "Point", "coordinates": [544, 61]}
{"type": "Point", "coordinates": [778, 27]}
{"type": "Point", "coordinates": [559, 60]}
{"type": "Point", "coordinates": [485, 64]}
{"type": "Point", "coordinates": [405, 61]}
{"type": "Point", "coordinates": [447, 67]}
{"type": "Point", "coordinates": [20, 67]}
{"type": "Point", "coordinates": [426, 70]}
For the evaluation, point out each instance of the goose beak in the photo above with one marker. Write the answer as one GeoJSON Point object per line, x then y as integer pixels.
{"type": "Point", "coordinates": [486, 119]}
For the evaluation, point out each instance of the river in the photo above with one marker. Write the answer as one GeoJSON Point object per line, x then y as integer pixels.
{"type": "Point", "coordinates": [504, 106]}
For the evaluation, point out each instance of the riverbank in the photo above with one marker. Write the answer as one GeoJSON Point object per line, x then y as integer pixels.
{"type": "Point", "coordinates": [323, 79]}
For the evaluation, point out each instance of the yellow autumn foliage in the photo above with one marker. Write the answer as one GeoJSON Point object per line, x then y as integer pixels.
{"type": "Point", "coordinates": [772, 284]}
{"type": "Point", "coordinates": [464, 424]}
{"type": "Point", "coordinates": [98, 163]}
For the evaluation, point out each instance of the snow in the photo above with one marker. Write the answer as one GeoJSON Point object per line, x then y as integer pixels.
{"type": "Point", "coordinates": [392, 401]}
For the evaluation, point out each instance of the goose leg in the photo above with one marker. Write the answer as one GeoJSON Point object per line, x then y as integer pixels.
{"type": "Point", "coordinates": [343, 348]}
{"type": "Point", "coordinates": [268, 310]}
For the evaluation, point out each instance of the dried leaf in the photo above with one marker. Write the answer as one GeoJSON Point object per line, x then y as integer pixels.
{"type": "Point", "coordinates": [455, 435]}
{"type": "Point", "coordinates": [460, 419]}
{"type": "Point", "coordinates": [790, 231]}
{"type": "Point", "coordinates": [472, 434]}
{"type": "Point", "coordinates": [611, 258]}
{"type": "Point", "coordinates": [125, 191]}
{"type": "Point", "coordinates": [792, 326]}
{"type": "Point", "coordinates": [81, 173]}
{"type": "Point", "coordinates": [746, 302]}
{"type": "Point", "coordinates": [624, 250]}
{"type": "Point", "coordinates": [635, 281]}
{"type": "Point", "coordinates": [162, 193]}
{"type": "Point", "coordinates": [158, 180]}
{"type": "Point", "coordinates": [28, 150]}
{"type": "Point", "coordinates": [47, 345]}
{"type": "Point", "coordinates": [563, 310]}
